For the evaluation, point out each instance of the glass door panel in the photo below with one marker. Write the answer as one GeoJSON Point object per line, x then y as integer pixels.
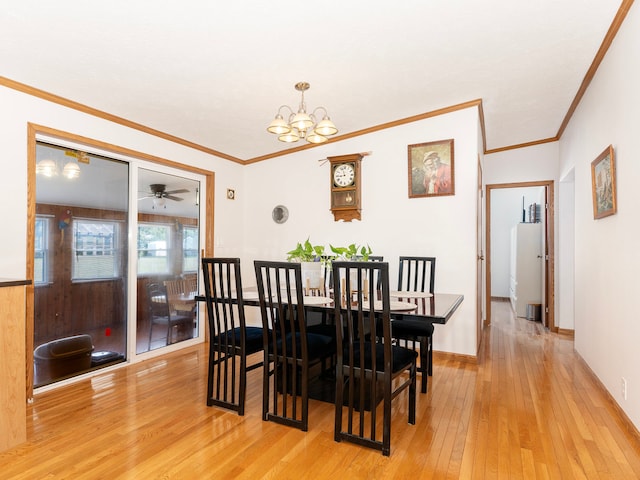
{"type": "Point", "coordinates": [168, 233]}
{"type": "Point", "coordinates": [81, 228]}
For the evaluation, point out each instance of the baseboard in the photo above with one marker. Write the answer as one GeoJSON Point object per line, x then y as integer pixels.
{"type": "Point", "coordinates": [566, 331]}
{"type": "Point", "coordinates": [458, 357]}
{"type": "Point", "coordinates": [625, 422]}
{"type": "Point", "coordinates": [500, 299]}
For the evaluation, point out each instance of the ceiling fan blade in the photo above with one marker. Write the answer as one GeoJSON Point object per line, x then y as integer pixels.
{"type": "Point", "coordinates": [181, 190]}
{"type": "Point", "coordinates": [171, 197]}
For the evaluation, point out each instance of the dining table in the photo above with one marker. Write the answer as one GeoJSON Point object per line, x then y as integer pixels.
{"type": "Point", "coordinates": [437, 308]}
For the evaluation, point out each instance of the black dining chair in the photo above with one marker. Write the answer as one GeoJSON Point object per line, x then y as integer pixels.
{"type": "Point", "coordinates": [290, 351]}
{"type": "Point", "coordinates": [417, 274]}
{"type": "Point", "coordinates": [231, 341]}
{"type": "Point", "coordinates": [368, 364]}
{"type": "Point", "coordinates": [160, 313]}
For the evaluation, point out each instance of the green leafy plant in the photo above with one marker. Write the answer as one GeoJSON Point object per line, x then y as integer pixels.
{"type": "Point", "coordinates": [306, 252]}
{"type": "Point", "coordinates": [352, 252]}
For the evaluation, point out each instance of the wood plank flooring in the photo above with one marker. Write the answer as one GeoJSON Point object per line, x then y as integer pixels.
{"type": "Point", "coordinates": [529, 409]}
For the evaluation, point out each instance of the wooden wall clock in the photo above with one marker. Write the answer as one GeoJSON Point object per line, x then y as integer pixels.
{"type": "Point", "coordinates": [345, 187]}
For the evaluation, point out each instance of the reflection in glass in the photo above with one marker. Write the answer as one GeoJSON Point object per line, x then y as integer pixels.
{"type": "Point", "coordinates": [79, 262]}
{"type": "Point", "coordinates": [168, 246]}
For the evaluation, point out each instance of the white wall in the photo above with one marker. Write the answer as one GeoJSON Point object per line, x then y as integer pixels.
{"type": "Point", "coordinates": [566, 252]}
{"type": "Point", "coordinates": [392, 223]}
{"type": "Point", "coordinates": [607, 257]}
{"type": "Point", "coordinates": [18, 109]}
{"type": "Point", "coordinates": [506, 212]}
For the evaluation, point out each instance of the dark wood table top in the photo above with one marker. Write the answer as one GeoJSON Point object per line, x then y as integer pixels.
{"type": "Point", "coordinates": [434, 309]}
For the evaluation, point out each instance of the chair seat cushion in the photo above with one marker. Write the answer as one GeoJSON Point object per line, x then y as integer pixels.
{"type": "Point", "coordinates": [318, 346]}
{"type": "Point", "coordinates": [401, 357]}
{"type": "Point", "coordinates": [407, 329]}
{"type": "Point", "coordinates": [321, 329]}
{"type": "Point", "coordinates": [253, 335]}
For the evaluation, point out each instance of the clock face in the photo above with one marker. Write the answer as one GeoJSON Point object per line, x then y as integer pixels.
{"type": "Point", "coordinates": [344, 175]}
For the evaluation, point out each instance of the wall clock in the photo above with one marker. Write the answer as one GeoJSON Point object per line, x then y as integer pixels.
{"type": "Point", "coordinates": [280, 214]}
{"type": "Point", "coordinates": [345, 187]}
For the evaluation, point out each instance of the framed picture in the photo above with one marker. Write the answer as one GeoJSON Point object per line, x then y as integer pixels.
{"type": "Point", "coordinates": [431, 172]}
{"type": "Point", "coordinates": [603, 184]}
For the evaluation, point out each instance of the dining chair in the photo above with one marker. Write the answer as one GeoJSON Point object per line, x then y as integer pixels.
{"type": "Point", "coordinates": [290, 351]}
{"type": "Point", "coordinates": [231, 340]}
{"type": "Point", "coordinates": [368, 364]}
{"type": "Point", "coordinates": [417, 274]}
{"type": "Point", "coordinates": [160, 313]}
{"type": "Point", "coordinates": [176, 288]}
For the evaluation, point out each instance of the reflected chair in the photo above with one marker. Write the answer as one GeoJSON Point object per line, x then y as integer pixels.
{"type": "Point", "coordinates": [417, 274]}
{"type": "Point", "coordinates": [231, 340]}
{"type": "Point", "coordinates": [161, 314]}
{"type": "Point", "coordinates": [177, 288]}
{"type": "Point", "coordinates": [370, 369]}
{"type": "Point", "coordinates": [290, 351]}
{"type": "Point", "coordinates": [191, 284]}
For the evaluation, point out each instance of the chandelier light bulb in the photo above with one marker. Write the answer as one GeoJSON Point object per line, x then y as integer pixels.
{"type": "Point", "coordinates": [48, 168]}
{"type": "Point", "coordinates": [71, 170]}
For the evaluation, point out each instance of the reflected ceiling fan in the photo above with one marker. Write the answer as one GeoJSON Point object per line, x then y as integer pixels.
{"type": "Point", "coordinates": [159, 193]}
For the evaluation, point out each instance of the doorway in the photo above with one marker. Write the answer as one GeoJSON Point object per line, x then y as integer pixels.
{"type": "Point", "coordinates": [547, 313]}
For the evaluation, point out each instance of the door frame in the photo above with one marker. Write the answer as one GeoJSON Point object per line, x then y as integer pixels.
{"type": "Point", "coordinates": [548, 312]}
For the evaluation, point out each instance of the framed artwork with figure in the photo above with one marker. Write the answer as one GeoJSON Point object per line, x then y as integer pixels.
{"type": "Point", "coordinates": [431, 169]}
{"type": "Point", "coordinates": [603, 184]}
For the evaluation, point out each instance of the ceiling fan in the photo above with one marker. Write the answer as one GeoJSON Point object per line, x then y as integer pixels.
{"type": "Point", "coordinates": [159, 193]}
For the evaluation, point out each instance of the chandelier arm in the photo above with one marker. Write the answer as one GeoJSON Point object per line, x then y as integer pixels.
{"type": "Point", "coordinates": [326, 114]}
{"type": "Point", "coordinates": [287, 107]}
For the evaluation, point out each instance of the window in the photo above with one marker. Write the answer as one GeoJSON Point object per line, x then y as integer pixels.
{"type": "Point", "coordinates": [190, 249]}
{"type": "Point", "coordinates": [154, 248]}
{"type": "Point", "coordinates": [95, 256]}
{"type": "Point", "coordinates": [41, 264]}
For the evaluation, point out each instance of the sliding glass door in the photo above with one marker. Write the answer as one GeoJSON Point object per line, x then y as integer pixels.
{"type": "Point", "coordinates": [116, 260]}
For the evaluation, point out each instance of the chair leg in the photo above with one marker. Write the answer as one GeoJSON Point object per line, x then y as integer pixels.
{"type": "Point", "coordinates": [430, 356]}
{"type": "Point", "coordinates": [242, 393]}
{"type": "Point", "coordinates": [412, 395]}
{"type": "Point", "coordinates": [424, 355]}
{"type": "Point", "coordinates": [169, 333]}
{"type": "Point", "coordinates": [150, 333]}
{"type": "Point", "coordinates": [265, 387]}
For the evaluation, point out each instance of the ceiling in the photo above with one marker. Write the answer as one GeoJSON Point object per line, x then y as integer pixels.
{"type": "Point", "coordinates": [214, 73]}
{"type": "Point", "coordinates": [104, 183]}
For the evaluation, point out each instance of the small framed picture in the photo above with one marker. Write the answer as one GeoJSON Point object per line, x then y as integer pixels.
{"type": "Point", "coordinates": [603, 184]}
{"type": "Point", "coordinates": [431, 170]}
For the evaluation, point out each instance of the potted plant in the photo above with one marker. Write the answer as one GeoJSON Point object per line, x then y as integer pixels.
{"type": "Point", "coordinates": [312, 263]}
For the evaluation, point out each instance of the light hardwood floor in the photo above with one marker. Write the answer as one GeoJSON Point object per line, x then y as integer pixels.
{"type": "Point", "coordinates": [530, 409]}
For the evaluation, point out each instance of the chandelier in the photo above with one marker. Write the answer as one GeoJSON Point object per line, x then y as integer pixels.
{"type": "Point", "coordinates": [302, 124]}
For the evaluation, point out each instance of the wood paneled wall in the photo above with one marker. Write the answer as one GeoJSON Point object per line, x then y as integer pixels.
{"type": "Point", "coordinates": [64, 307]}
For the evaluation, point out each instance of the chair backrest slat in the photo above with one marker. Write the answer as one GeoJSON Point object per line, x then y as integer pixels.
{"type": "Point", "coordinates": [416, 274]}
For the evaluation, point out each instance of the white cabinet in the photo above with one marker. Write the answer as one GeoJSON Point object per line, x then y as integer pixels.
{"type": "Point", "coordinates": [525, 285]}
